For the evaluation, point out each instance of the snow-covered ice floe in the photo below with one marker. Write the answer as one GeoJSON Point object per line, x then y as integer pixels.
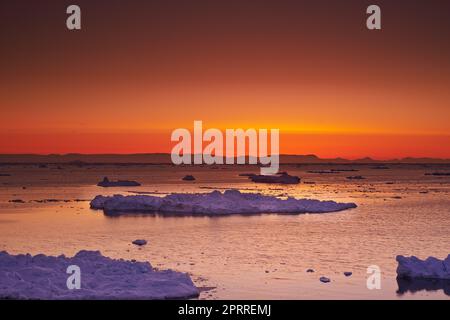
{"type": "Point", "coordinates": [430, 268]}
{"type": "Point", "coordinates": [214, 203]}
{"type": "Point", "coordinates": [45, 277]}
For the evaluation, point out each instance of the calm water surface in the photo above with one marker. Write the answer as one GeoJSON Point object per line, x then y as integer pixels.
{"type": "Point", "coordinates": [400, 211]}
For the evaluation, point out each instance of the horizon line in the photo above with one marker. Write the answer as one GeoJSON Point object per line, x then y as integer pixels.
{"type": "Point", "coordinates": [366, 158]}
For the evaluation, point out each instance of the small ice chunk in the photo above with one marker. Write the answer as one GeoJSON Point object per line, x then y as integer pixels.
{"type": "Point", "coordinates": [17, 201]}
{"type": "Point", "coordinates": [438, 174]}
{"type": "Point", "coordinates": [140, 242]}
{"type": "Point", "coordinates": [355, 178]}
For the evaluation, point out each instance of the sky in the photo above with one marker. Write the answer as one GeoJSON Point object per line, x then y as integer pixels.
{"type": "Point", "coordinates": [137, 70]}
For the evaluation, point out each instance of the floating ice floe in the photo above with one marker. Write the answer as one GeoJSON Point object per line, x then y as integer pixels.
{"type": "Point", "coordinates": [17, 201]}
{"type": "Point", "coordinates": [214, 203]}
{"type": "Point", "coordinates": [280, 178]}
{"type": "Point", "coordinates": [438, 174]}
{"type": "Point", "coordinates": [380, 167]}
{"type": "Point", "coordinates": [355, 178]}
{"type": "Point", "coordinates": [45, 277]}
{"type": "Point", "coordinates": [246, 174]}
{"type": "Point", "coordinates": [322, 171]}
{"type": "Point", "coordinates": [119, 183]}
{"type": "Point", "coordinates": [430, 268]}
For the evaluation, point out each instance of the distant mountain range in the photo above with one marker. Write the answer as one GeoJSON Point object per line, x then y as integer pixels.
{"type": "Point", "coordinates": [164, 158]}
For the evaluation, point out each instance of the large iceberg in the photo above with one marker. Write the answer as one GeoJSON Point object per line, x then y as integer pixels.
{"type": "Point", "coordinates": [45, 277]}
{"type": "Point", "coordinates": [430, 268]}
{"type": "Point", "coordinates": [214, 203]}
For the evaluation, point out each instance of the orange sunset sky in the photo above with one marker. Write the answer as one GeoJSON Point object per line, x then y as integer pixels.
{"type": "Point", "coordinates": [139, 69]}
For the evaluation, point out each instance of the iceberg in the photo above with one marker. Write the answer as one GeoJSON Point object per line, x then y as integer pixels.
{"type": "Point", "coordinates": [430, 268]}
{"type": "Point", "coordinates": [214, 203]}
{"type": "Point", "coordinates": [45, 277]}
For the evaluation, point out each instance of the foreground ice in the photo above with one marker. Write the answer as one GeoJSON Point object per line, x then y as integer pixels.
{"type": "Point", "coordinates": [431, 268]}
{"type": "Point", "coordinates": [45, 277]}
{"type": "Point", "coordinates": [418, 284]}
{"type": "Point", "coordinates": [214, 203]}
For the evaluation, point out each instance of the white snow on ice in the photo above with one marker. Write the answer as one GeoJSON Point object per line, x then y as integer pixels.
{"type": "Point", "coordinates": [430, 268]}
{"type": "Point", "coordinates": [44, 277]}
{"type": "Point", "coordinates": [214, 203]}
